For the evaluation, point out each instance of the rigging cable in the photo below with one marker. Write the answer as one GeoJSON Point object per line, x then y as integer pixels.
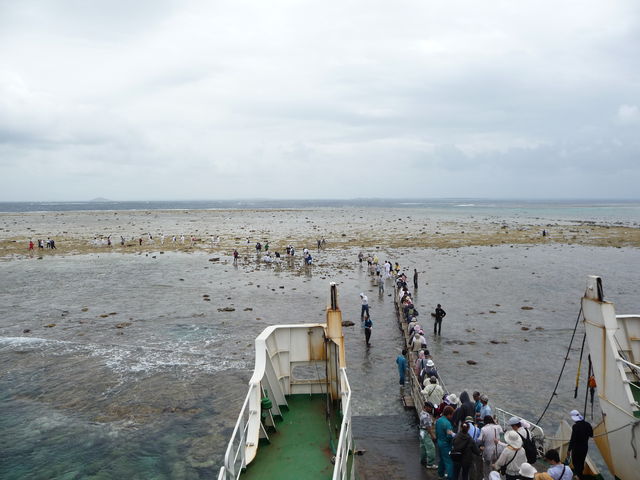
{"type": "Point", "coordinates": [575, 393]}
{"type": "Point", "coordinates": [566, 358]}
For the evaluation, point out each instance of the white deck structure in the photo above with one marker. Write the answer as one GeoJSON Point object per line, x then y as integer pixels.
{"type": "Point", "coordinates": [289, 360]}
{"type": "Point", "coordinates": [614, 345]}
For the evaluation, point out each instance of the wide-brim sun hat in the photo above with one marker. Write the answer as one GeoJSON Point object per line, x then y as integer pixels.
{"type": "Point", "coordinates": [430, 363]}
{"type": "Point", "coordinates": [527, 470]}
{"type": "Point", "coordinates": [452, 399]}
{"type": "Point", "coordinates": [513, 439]}
{"type": "Point", "coordinates": [575, 416]}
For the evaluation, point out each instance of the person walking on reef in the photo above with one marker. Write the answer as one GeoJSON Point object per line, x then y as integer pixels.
{"type": "Point", "coordinates": [439, 315]}
{"type": "Point", "coordinates": [367, 329]}
{"type": "Point", "coordinates": [401, 361]}
{"type": "Point", "coordinates": [365, 306]}
{"type": "Point", "coordinates": [415, 278]}
{"type": "Point", "coordinates": [579, 442]}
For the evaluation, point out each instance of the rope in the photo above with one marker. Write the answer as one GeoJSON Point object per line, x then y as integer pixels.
{"type": "Point", "coordinates": [575, 393]}
{"type": "Point", "coordinates": [564, 364]}
{"type": "Point", "coordinates": [634, 424]}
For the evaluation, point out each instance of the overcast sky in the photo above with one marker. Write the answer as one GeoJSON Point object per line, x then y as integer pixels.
{"type": "Point", "coordinates": [162, 99]}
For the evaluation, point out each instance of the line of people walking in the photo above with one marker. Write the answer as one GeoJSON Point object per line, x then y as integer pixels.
{"type": "Point", "coordinates": [460, 436]}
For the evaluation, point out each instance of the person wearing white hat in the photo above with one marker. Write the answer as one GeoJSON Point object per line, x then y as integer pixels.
{"type": "Point", "coordinates": [521, 427]}
{"type": "Point", "coordinates": [416, 342]}
{"type": "Point", "coordinates": [527, 471]}
{"type": "Point", "coordinates": [365, 306]}
{"type": "Point", "coordinates": [512, 457]}
{"type": "Point", "coordinates": [431, 370]}
{"type": "Point", "coordinates": [579, 442]}
{"type": "Point", "coordinates": [452, 399]}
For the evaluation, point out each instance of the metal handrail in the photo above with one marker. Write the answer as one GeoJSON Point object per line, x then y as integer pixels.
{"type": "Point", "coordinates": [629, 364]}
{"type": "Point", "coordinates": [231, 469]}
{"type": "Point", "coordinates": [341, 466]}
{"type": "Point", "coordinates": [537, 433]}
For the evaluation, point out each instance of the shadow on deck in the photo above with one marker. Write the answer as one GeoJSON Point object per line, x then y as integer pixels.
{"type": "Point", "coordinates": [392, 449]}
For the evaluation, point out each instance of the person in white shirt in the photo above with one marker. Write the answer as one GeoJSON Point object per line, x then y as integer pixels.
{"type": "Point", "coordinates": [433, 392]}
{"type": "Point", "coordinates": [558, 471]}
{"type": "Point", "coordinates": [417, 341]}
{"type": "Point", "coordinates": [512, 456]}
{"type": "Point", "coordinates": [365, 306]}
{"type": "Point", "coordinates": [490, 444]}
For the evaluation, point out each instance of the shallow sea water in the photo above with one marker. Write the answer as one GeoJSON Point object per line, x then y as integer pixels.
{"type": "Point", "coordinates": [142, 377]}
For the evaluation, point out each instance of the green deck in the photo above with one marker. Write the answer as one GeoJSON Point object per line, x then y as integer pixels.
{"type": "Point", "coordinates": [301, 447]}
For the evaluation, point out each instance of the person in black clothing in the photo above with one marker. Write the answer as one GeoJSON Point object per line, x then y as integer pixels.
{"type": "Point", "coordinates": [368, 324]}
{"type": "Point", "coordinates": [466, 409]}
{"type": "Point", "coordinates": [464, 444]}
{"type": "Point", "coordinates": [437, 325]}
{"type": "Point", "coordinates": [579, 442]}
{"type": "Point", "coordinates": [415, 278]}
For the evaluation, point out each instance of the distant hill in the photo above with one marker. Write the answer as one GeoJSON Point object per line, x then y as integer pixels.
{"type": "Point", "coordinates": [99, 200]}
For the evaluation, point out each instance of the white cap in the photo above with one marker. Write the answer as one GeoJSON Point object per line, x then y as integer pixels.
{"type": "Point", "coordinates": [575, 415]}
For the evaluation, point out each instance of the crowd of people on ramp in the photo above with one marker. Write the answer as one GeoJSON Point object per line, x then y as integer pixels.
{"type": "Point", "coordinates": [459, 435]}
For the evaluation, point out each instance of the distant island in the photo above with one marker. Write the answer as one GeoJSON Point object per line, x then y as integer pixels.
{"type": "Point", "coordinates": [99, 200]}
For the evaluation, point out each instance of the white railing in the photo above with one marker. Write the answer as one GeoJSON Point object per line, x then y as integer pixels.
{"type": "Point", "coordinates": [632, 366]}
{"type": "Point", "coordinates": [345, 441]}
{"type": "Point", "coordinates": [234, 458]}
{"type": "Point", "coordinates": [537, 433]}
{"type": "Point", "coordinates": [278, 348]}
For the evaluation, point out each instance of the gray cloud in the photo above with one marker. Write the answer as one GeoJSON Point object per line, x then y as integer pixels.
{"type": "Point", "coordinates": [236, 99]}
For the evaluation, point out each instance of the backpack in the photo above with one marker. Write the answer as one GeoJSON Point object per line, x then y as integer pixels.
{"type": "Point", "coordinates": [529, 448]}
{"type": "Point", "coordinates": [423, 370]}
